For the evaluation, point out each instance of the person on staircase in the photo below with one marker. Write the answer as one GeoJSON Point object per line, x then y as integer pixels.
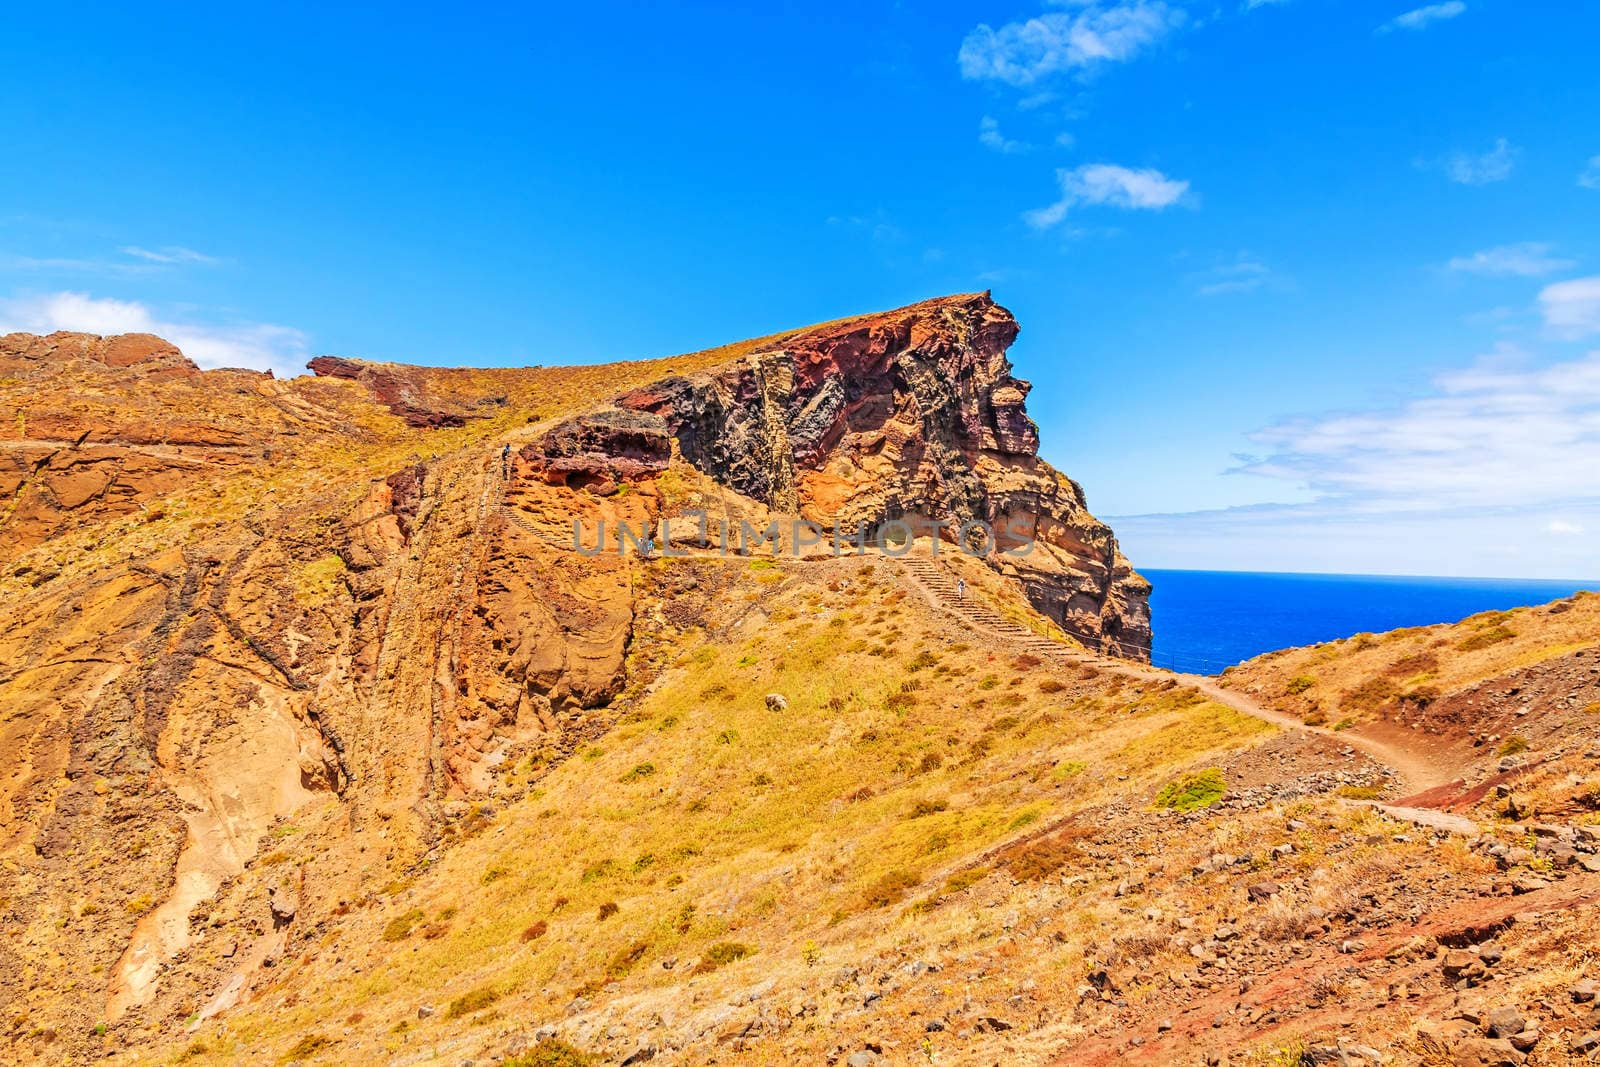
{"type": "Point", "coordinates": [505, 461]}
{"type": "Point", "coordinates": [961, 589]}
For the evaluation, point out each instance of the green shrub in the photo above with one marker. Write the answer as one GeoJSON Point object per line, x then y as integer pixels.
{"type": "Point", "coordinates": [1299, 684]}
{"type": "Point", "coordinates": [1192, 791]}
{"type": "Point", "coordinates": [643, 770]}
{"type": "Point", "coordinates": [720, 955]}
{"type": "Point", "coordinates": [309, 1045]}
{"type": "Point", "coordinates": [624, 960]}
{"type": "Point", "coordinates": [551, 1052]}
{"type": "Point", "coordinates": [400, 926]}
{"type": "Point", "coordinates": [475, 1001]}
{"type": "Point", "coordinates": [1485, 638]}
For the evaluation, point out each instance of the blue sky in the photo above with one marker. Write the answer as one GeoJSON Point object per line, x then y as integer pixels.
{"type": "Point", "coordinates": [1304, 284]}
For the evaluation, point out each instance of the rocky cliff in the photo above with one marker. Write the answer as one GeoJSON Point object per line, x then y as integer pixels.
{"type": "Point", "coordinates": [912, 415]}
{"type": "Point", "coordinates": [271, 645]}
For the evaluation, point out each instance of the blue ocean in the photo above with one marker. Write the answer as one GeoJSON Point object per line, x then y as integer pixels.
{"type": "Point", "coordinates": [1208, 620]}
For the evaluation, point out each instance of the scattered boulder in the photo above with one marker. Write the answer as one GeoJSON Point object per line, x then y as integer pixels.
{"type": "Point", "coordinates": [777, 702]}
{"type": "Point", "coordinates": [1504, 1022]}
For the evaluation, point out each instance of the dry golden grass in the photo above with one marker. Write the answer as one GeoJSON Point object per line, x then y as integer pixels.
{"type": "Point", "coordinates": [1369, 675]}
{"type": "Point", "coordinates": [813, 833]}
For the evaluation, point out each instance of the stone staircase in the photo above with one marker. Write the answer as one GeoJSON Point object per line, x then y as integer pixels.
{"type": "Point", "coordinates": [939, 585]}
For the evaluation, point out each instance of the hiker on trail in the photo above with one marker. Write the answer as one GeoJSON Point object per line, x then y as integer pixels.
{"type": "Point", "coordinates": [961, 588]}
{"type": "Point", "coordinates": [505, 461]}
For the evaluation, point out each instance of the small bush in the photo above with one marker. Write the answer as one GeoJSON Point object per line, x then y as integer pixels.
{"type": "Point", "coordinates": [720, 955]}
{"type": "Point", "coordinates": [1027, 661]}
{"type": "Point", "coordinates": [966, 879]}
{"type": "Point", "coordinates": [1051, 685]}
{"type": "Point", "coordinates": [890, 889]}
{"type": "Point", "coordinates": [535, 932]}
{"type": "Point", "coordinates": [309, 1045]}
{"type": "Point", "coordinates": [1513, 745]}
{"type": "Point", "coordinates": [551, 1052]}
{"type": "Point", "coordinates": [1299, 684]}
{"type": "Point", "coordinates": [607, 910]}
{"type": "Point", "coordinates": [475, 1001]}
{"type": "Point", "coordinates": [1485, 638]}
{"type": "Point", "coordinates": [926, 807]}
{"type": "Point", "coordinates": [596, 871]}
{"type": "Point", "coordinates": [1192, 791]}
{"type": "Point", "coordinates": [493, 874]}
{"type": "Point", "coordinates": [932, 761]}
{"type": "Point", "coordinates": [1420, 663]}
{"type": "Point", "coordinates": [643, 770]}
{"type": "Point", "coordinates": [1034, 861]}
{"type": "Point", "coordinates": [400, 926]}
{"type": "Point", "coordinates": [625, 960]}
{"type": "Point", "coordinates": [1369, 696]}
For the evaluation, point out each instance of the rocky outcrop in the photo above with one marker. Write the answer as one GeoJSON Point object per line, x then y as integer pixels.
{"type": "Point", "coordinates": [403, 394]}
{"type": "Point", "coordinates": [911, 415]}
{"type": "Point", "coordinates": [599, 450]}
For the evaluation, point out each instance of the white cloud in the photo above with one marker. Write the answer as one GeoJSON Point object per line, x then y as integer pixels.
{"type": "Point", "coordinates": [1494, 165]}
{"type": "Point", "coordinates": [1531, 259]}
{"type": "Point", "coordinates": [1572, 308]}
{"type": "Point", "coordinates": [989, 136]}
{"type": "Point", "coordinates": [1251, 5]}
{"type": "Point", "coordinates": [1423, 17]}
{"type": "Point", "coordinates": [1590, 178]}
{"type": "Point", "coordinates": [1496, 434]}
{"type": "Point", "coordinates": [170, 255]}
{"type": "Point", "coordinates": [1563, 528]}
{"type": "Point", "coordinates": [1023, 53]}
{"type": "Point", "coordinates": [261, 346]}
{"type": "Point", "coordinates": [1110, 185]}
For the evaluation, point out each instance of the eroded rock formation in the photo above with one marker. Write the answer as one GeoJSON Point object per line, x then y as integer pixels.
{"type": "Point", "coordinates": [913, 414]}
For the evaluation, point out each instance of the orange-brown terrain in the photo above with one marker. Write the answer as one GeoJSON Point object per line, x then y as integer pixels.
{"type": "Point", "coordinates": [322, 742]}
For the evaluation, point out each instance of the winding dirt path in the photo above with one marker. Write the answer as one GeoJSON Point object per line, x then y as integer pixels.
{"type": "Point", "coordinates": [1418, 770]}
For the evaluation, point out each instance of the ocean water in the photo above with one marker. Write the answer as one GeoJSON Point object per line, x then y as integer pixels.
{"type": "Point", "coordinates": [1208, 620]}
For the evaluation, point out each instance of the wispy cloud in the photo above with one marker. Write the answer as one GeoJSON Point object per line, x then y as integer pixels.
{"type": "Point", "coordinates": [1022, 54]}
{"type": "Point", "coordinates": [1590, 178]}
{"type": "Point", "coordinates": [1497, 433]}
{"type": "Point", "coordinates": [261, 346]}
{"type": "Point", "coordinates": [1530, 259]}
{"type": "Point", "coordinates": [1423, 17]}
{"type": "Point", "coordinates": [1245, 274]}
{"type": "Point", "coordinates": [1572, 308]}
{"type": "Point", "coordinates": [1495, 165]}
{"type": "Point", "coordinates": [170, 255]}
{"type": "Point", "coordinates": [1251, 5]}
{"type": "Point", "coordinates": [131, 260]}
{"type": "Point", "coordinates": [1112, 186]}
{"type": "Point", "coordinates": [1563, 528]}
{"type": "Point", "coordinates": [989, 136]}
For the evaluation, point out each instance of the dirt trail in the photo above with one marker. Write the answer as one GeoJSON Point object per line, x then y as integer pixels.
{"type": "Point", "coordinates": [1418, 771]}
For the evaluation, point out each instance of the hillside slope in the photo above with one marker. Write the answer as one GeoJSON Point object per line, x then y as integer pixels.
{"type": "Point", "coordinates": [232, 601]}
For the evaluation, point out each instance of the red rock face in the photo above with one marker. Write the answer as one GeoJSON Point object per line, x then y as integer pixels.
{"type": "Point", "coordinates": [909, 414]}
{"type": "Point", "coordinates": [402, 394]}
